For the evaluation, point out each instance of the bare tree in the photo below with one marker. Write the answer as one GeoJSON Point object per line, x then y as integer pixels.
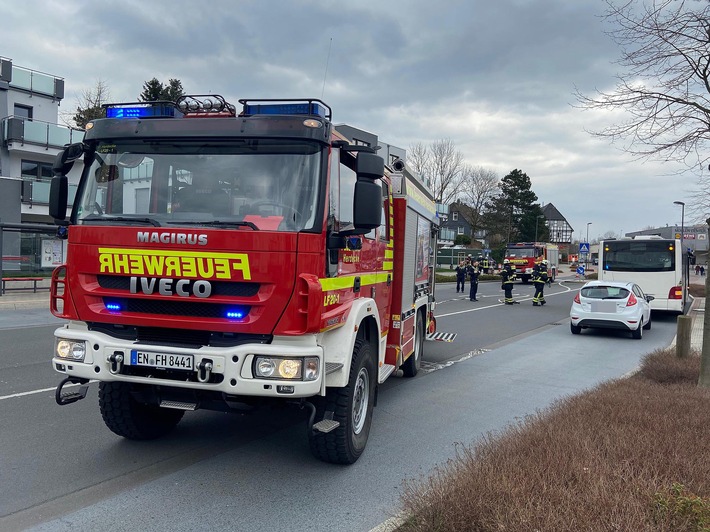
{"type": "Point", "coordinates": [88, 106]}
{"type": "Point", "coordinates": [440, 165]}
{"type": "Point", "coordinates": [665, 49]}
{"type": "Point", "coordinates": [418, 158]}
{"type": "Point", "coordinates": [478, 186]}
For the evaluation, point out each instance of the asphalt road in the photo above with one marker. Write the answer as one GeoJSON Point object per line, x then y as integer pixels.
{"type": "Point", "coordinates": [61, 469]}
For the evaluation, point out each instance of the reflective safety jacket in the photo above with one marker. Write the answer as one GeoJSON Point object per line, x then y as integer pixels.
{"type": "Point", "coordinates": [539, 274]}
{"type": "Point", "coordinates": [507, 275]}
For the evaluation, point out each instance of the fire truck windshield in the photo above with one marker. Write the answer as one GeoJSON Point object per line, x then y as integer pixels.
{"type": "Point", "coordinates": [270, 185]}
{"type": "Point", "coordinates": [521, 253]}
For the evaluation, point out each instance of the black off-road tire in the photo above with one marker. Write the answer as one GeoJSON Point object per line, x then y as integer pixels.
{"type": "Point", "coordinates": [131, 419]}
{"type": "Point", "coordinates": [352, 407]}
{"type": "Point", "coordinates": [412, 365]}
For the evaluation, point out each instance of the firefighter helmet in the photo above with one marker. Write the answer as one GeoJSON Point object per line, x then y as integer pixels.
{"type": "Point", "coordinates": [506, 261]}
{"type": "Point", "coordinates": [545, 262]}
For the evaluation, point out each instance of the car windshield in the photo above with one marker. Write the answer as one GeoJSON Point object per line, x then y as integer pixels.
{"type": "Point", "coordinates": [605, 292]}
{"type": "Point", "coordinates": [255, 184]}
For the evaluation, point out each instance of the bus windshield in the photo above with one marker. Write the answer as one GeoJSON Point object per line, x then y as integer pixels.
{"type": "Point", "coordinates": [639, 256]}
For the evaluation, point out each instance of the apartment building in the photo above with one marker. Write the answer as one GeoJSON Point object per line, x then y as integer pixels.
{"type": "Point", "coordinates": [30, 138]}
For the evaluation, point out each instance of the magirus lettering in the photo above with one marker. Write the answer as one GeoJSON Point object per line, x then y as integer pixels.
{"type": "Point", "coordinates": [158, 237]}
{"type": "Point", "coordinates": [171, 287]}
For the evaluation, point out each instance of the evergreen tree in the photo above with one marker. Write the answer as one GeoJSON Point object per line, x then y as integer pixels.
{"type": "Point", "coordinates": [510, 213]}
{"type": "Point", "coordinates": [154, 90]}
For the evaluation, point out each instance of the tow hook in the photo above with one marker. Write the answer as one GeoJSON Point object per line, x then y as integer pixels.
{"type": "Point", "coordinates": [204, 370]}
{"type": "Point", "coordinates": [115, 361]}
{"type": "Point", "coordinates": [65, 398]}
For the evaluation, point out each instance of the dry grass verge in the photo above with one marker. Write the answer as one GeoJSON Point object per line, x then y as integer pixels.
{"type": "Point", "coordinates": [629, 455]}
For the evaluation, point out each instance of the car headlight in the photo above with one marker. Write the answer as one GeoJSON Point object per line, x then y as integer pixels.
{"type": "Point", "coordinates": [268, 367]}
{"type": "Point", "coordinates": [70, 349]}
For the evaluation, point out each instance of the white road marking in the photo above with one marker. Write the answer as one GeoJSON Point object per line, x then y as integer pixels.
{"type": "Point", "coordinates": [33, 392]}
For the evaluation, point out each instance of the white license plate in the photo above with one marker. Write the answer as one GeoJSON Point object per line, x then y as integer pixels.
{"type": "Point", "coordinates": [603, 306]}
{"type": "Point", "coordinates": [161, 360]}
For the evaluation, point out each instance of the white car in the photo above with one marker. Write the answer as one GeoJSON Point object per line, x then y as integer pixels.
{"type": "Point", "coordinates": [611, 305]}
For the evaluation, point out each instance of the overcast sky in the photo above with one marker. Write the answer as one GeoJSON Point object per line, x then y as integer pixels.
{"type": "Point", "coordinates": [495, 77]}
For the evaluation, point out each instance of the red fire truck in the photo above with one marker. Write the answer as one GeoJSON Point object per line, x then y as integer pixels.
{"type": "Point", "coordinates": [226, 261]}
{"type": "Point", "coordinates": [523, 256]}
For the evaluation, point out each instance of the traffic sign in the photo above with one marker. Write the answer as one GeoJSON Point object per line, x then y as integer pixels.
{"type": "Point", "coordinates": [580, 270]}
{"type": "Point", "coordinates": [584, 247]}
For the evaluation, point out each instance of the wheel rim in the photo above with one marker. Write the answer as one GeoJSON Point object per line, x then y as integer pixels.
{"type": "Point", "coordinates": [361, 398]}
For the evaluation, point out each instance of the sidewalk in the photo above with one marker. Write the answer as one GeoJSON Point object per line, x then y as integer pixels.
{"type": "Point", "coordinates": [19, 295]}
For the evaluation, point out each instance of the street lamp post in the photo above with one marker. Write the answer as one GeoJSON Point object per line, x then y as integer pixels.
{"type": "Point", "coordinates": [686, 270]}
{"type": "Point", "coordinates": [590, 247]}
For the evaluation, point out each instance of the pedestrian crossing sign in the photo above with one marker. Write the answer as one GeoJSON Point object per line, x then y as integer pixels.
{"type": "Point", "coordinates": [584, 247]}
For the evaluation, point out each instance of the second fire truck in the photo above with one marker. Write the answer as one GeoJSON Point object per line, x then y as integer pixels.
{"type": "Point", "coordinates": [227, 260]}
{"type": "Point", "coordinates": [523, 256]}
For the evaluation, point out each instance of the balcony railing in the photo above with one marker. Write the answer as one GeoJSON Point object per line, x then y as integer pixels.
{"type": "Point", "coordinates": [37, 82]}
{"type": "Point", "coordinates": [27, 131]}
{"type": "Point", "coordinates": [37, 192]}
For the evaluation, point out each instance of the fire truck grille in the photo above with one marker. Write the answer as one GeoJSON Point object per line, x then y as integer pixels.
{"type": "Point", "coordinates": [219, 288]}
{"type": "Point", "coordinates": [178, 337]}
{"type": "Point", "coordinates": [176, 308]}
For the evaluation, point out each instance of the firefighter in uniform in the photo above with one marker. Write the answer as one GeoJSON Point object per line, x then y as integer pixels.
{"type": "Point", "coordinates": [507, 276]}
{"type": "Point", "coordinates": [485, 265]}
{"type": "Point", "coordinates": [460, 277]}
{"type": "Point", "coordinates": [540, 279]}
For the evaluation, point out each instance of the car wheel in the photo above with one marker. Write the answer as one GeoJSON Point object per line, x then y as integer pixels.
{"type": "Point", "coordinates": [638, 332]}
{"type": "Point", "coordinates": [576, 329]}
{"type": "Point", "coordinates": [647, 326]}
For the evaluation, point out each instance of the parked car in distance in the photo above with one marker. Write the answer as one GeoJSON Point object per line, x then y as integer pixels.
{"type": "Point", "coordinates": [611, 305]}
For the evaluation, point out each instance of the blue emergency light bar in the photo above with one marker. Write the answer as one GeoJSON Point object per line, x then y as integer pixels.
{"type": "Point", "coordinates": [310, 109]}
{"type": "Point", "coordinates": [135, 110]}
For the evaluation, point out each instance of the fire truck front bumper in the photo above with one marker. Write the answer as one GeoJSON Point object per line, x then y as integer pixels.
{"type": "Point", "coordinates": [287, 367]}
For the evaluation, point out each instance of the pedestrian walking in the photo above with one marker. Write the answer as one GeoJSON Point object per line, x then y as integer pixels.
{"type": "Point", "coordinates": [507, 276]}
{"type": "Point", "coordinates": [473, 272]}
{"type": "Point", "coordinates": [460, 277]}
{"type": "Point", "coordinates": [697, 269]}
{"type": "Point", "coordinates": [540, 278]}
{"type": "Point", "coordinates": [702, 271]}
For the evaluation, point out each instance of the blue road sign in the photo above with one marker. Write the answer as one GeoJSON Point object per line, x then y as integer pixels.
{"type": "Point", "coordinates": [580, 270]}
{"type": "Point", "coordinates": [584, 247]}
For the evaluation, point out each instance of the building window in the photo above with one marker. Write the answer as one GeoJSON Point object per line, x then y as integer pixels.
{"type": "Point", "coordinates": [358, 142]}
{"type": "Point", "coordinates": [459, 230]}
{"type": "Point", "coordinates": [36, 170]}
{"type": "Point", "coordinates": [23, 111]}
{"type": "Point", "coordinates": [455, 216]}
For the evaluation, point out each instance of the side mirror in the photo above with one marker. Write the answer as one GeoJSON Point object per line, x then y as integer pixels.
{"type": "Point", "coordinates": [64, 161]}
{"type": "Point", "coordinates": [58, 194]}
{"type": "Point", "coordinates": [650, 298]}
{"type": "Point", "coordinates": [370, 166]}
{"type": "Point", "coordinates": [367, 205]}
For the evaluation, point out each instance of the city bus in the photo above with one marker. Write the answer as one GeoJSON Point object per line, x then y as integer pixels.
{"type": "Point", "coordinates": [652, 262]}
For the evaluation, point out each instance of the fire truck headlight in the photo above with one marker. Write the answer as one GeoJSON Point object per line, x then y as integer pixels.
{"type": "Point", "coordinates": [70, 349]}
{"type": "Point", "coordinates": [267, 367]}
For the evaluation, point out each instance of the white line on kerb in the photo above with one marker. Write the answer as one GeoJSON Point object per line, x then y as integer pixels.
{"type": "Point", "coordinates": [33, 392]}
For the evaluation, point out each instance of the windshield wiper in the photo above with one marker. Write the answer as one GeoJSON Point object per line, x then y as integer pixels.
{"type": "Point", "coordinates": [219, 223]}
{"type": "Point", "coordinates": [150, 221]}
